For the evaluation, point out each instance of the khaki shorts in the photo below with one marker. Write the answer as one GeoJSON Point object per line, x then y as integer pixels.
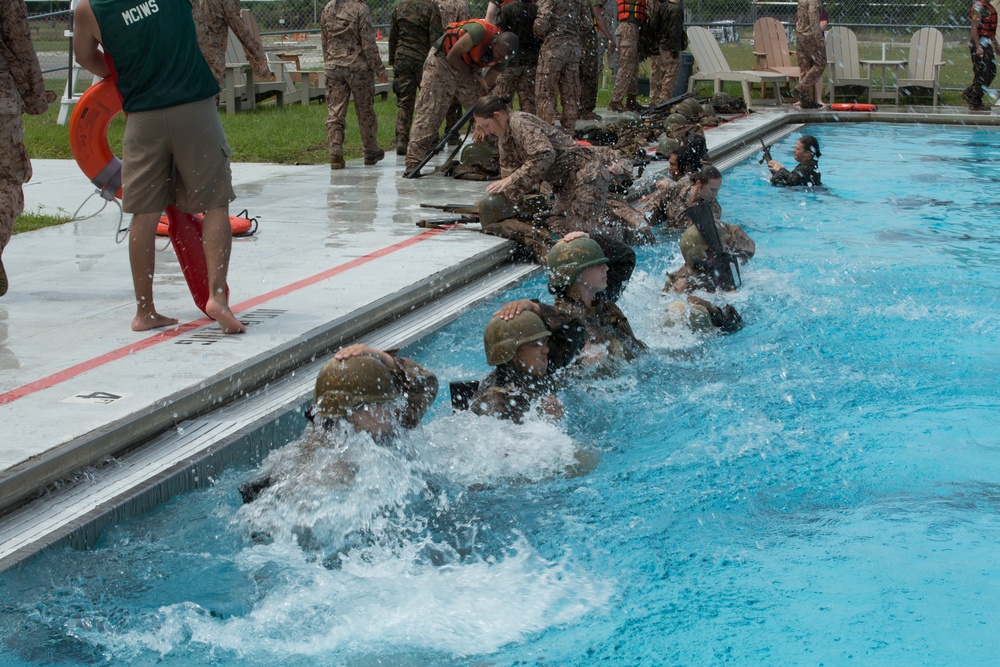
{"type": "Point", "coordinates": [177, 155]}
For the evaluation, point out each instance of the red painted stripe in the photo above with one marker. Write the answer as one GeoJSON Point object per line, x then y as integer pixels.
{"type": "Point", "coordinates": [163, 336]}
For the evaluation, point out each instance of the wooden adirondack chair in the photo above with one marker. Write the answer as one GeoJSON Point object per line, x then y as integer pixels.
{"type": "Point", "coordinates": [770, 46]}
{"type": "Point", "coordinates": [924, 67]}
{"type": "Point", "coordinates": [241, 91]}
{"type": "Point", "coordinates": [843, 64]}
{"type": "Point", "coordinates": [712, 66]}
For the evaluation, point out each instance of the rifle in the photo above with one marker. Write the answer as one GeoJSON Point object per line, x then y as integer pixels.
{"type": "Point", "coordinates": [720, 267]}
{"type": "Point", "coordinates": [663, 106]}
{"type": "Point", "coordinates": [464, 209]}
{"type": "Point", "coordinates": [766, 156]}
{"type": "Point", "coordinates": [453, 131]}
{"type": "Point", "coordinates": [447, 223]}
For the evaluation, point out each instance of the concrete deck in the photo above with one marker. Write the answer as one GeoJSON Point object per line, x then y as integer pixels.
{"type": "Point", "coordinates": [337, 254]}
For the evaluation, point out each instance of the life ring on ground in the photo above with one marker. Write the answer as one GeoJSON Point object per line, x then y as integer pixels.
{"type": "Point", "coordinates": [88, 138]}
{"type": "Point", "coordinates": [242, 225]}
{"type": "Point", "coordinates": [852, 107]}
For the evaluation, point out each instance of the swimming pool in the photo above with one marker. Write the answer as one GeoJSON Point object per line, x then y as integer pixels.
{"type": "Point", "coordinates": [819, 488]}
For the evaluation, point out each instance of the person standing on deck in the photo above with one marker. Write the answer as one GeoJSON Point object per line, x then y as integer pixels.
{"type": "Point", "coordinates": [22, 90]}
{"type": "Point", "coordinates": [455, 11]}
{"type": "Point", "coordinates": [983, 48]}
{"type": "Point", "coordinates": [593, 60]}
{"type": "Point", "coordinates": [560, 23]}
{"type": "Point", "coordinates": [631, 15]}
{"type": "Point", "coordinates": [416, 24]}
{"type": "Point", "coordinates": [668, 19]}
{"type": "Point", "coordinates": [810, 46]}
{"type": "Point", "coordinates": [518, 17]}
{"type": "Point", "coordinates": [352, 63]}
{"type": "Point", "coordinates": [174, 150]}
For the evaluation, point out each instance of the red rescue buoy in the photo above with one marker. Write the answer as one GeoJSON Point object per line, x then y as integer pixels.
{"type": "Point", "coordinates": [839, 106]}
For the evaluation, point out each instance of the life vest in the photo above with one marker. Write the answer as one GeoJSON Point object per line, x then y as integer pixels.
{"type": "Point", "coordinates": [480, 55]}
{"type": "Point", "coordinates": [632, 10]}
{"type": "Point", "coordinates": [987, 24]}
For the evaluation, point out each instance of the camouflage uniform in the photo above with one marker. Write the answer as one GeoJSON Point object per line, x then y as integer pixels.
{"type": "Point", "coordinates": [453, 11]}
{"type": "Point", "coordinates": [508, 393]}
{"type": "Point", "coordinates": [805, 173]}
{"type": "Point", "coordinates": [440, 84]}
{"type": "Point", "coordinates": [734, 240]}
{"type": "Point", "coordinates": [21, 91]}
{"type": "Point", "coordinates": [416, 24]}
{"type": "Point", "coordinates": [606, 326]}
{"type": "Point", "coordinates": [668, 204]}
{"type": "Point", "coordinates": [666, 65]}
{"type": "Point", "coordinates": [533, 151]}
{"type": "Point", "coordinates": [560, 24]}
{"type": "Point", "coordinates": [213, 20]}
{"type": "Point", "coordinates": [627, 77]}
{"type": "Point", "coordinates": [518, 17]}
{"type": "Point", "coordinates": [810, 47]}
{"type": "Point", "coordinates": [351, 61]}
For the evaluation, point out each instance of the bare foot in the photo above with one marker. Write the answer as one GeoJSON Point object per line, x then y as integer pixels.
{"type": "Point", "coordinates": [145, 322]}
{"type": "Point", "coordinates": [220, 312]}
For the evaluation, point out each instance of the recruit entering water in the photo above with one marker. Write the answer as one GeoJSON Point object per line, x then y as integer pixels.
{"type": "Point", "coordinates": [819, 488]}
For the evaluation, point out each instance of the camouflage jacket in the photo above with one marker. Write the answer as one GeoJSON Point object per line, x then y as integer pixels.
{"type": "Point", "coordinates": [807, 20]}
{"type": "Point", "coordinates": [22, 89]}
{"type": "Point", "coordinates": [606, 326]}
{"type": "Point", "coordinates": [415, 25]}
{"type": "Point", "coordinates": [668, 204]}
{"type": "Point", "coordinates": [349, 37]}
{"type": "Point", "coordinates": [453, 11]}
{"type": "Point", "coordinates": [532, 151]}
{"type": "Point", "coordinates": [563, 18]}
{"type": "Point", "coordinates": [805, 173]}
{"type": "Point", "coordinates": [213, 20]}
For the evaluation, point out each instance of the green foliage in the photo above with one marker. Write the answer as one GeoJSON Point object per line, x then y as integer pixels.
{"type": "Point", "coordinates": [30, 221]}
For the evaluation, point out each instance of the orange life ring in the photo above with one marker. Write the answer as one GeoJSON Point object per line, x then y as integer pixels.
{"type": "Point", "coordinates": [852, 107]}
{"type": "Point", "coordinates": [88, 137]}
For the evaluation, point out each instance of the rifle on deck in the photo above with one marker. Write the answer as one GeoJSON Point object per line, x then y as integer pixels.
{"type": "Point", "coordinates": [720, 267]}
{"type": "Point", "coordinates": [663, 106]}
{"type": "Point", "coordinates": [453, 132]}
{"type": "Point", "coordinates": [766, 156]}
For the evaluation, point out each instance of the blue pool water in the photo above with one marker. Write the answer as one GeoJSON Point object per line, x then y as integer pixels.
{"type": "Point", "coordinates": [820, 488]}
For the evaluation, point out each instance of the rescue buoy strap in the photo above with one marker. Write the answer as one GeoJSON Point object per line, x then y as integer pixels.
{"type": "Point", "coordinates": [109, 179]}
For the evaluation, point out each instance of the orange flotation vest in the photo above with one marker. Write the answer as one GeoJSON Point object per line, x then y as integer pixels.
{"type": "Point", "coordinates": [88, 138]}
{"type": "Point", "coordinates": [632, 10]}
{"type": "Point", "coordinates": [852, 107]}
{"type": "Point", "coordinates": [476, 57]}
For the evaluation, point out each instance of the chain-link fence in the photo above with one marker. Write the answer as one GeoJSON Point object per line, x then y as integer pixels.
{"type": "Point", "coordinates": [292, 26]}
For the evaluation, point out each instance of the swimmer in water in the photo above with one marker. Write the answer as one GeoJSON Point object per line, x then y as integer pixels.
{"type": "Point", "coordinates": [806, 153]}
{"type": "Point", "coordinates": [369, 391]}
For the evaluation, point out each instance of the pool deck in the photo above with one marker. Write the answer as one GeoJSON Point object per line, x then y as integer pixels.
{"type": "Point", "coordinates": [337, 255]}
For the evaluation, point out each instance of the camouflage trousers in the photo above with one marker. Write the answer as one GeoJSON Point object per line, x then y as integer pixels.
{"type": "Point", "coordinates": [440, 84]}
{"type": "Point", "coordinates": [341, 83]}
{"type": "Point", "coordinates": [405, 81]}
{"type": "Point", "coordinates": [580, 200]}
{"type": "Point", "coordinates": [665, 69]}
{"type": "Point", "coordinates": [558, 74]}
{"type": "Point", "coordinates": [15, 170]}
{"type": "Point", "coordinates": [590, 72]}
{"type": "Point", "coordinates": [627, 78]}
{"type": "Point", "coordinates": [519, 80]}
{"type": "Point", "coordinates": [811, 53]}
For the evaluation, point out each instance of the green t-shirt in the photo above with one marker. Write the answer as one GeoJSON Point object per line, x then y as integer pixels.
{"type": "Point", "coordinates": [155, 51]}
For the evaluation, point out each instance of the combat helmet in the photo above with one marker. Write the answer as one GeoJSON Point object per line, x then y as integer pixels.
{"type": "Point", "coordinates": [693, 246]}
{"type": "Point", "coordinates": [721, 99]}
{"type": "Point", "coordinates": [690, 108]}
{"type": "Point", "coordinates": [502, 337]}
{"type": "Point", "coordinates": [707, 109]}
{"type": "Point", "coordinates": [495, 207]}
{"type": "Point", "coordinates": [677, 119]}
{"type": "Point", "coordinates": [567, 260]}
{"type": "Point", "coordinates": [666, 145]}
{"type": "Point", "coordinates": [629, 119]}
{"type": "Point", "coordinates": [341, 385]}
{"type": "Point", "coordinates": [476, 154]}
